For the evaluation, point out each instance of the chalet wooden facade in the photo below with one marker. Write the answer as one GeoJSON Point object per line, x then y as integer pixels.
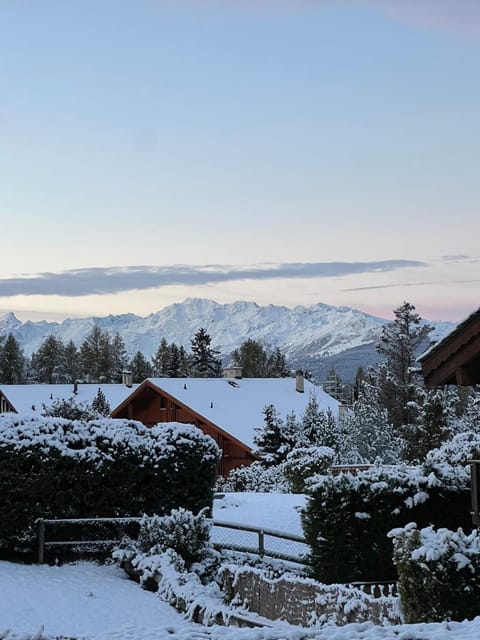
{"type": "Point", "coordinates": [456, 358]}
{"type": "Point", "coordinates": [152, 405]}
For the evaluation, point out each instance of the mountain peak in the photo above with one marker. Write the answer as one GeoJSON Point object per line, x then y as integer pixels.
{"type": "Point", "coordinates": [9, 318]}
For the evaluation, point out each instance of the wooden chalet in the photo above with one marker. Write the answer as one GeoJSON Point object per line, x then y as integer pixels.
{"type": "Point", "coordinates": [228, 410]}
{"type": "Point", "coordinates": [152, 405]}
{"type": "Point", "coordinates": [456, 358]}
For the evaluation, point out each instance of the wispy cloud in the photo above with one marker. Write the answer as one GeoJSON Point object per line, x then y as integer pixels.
{"type": "Point", "coordinates": [462, 259]}
{"type": "Point", "coordinates": [394, 285]}
{"type": "Point", "coordinates": [104, 281]}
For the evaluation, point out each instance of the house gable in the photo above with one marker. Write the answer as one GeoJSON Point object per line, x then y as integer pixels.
{"type": "Point", "coordinates": [456, 358]}
{"type": "Point", "coordinates": [152, 405]}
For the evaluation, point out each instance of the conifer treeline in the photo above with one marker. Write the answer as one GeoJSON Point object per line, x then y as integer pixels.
{"type": "Point", "coordinates": [102, 358]}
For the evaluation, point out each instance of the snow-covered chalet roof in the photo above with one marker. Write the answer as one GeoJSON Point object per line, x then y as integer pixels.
{"type": "Point", "coordinates": [236, 405]}
{"type": "Point", "coordinates": [28, 399]}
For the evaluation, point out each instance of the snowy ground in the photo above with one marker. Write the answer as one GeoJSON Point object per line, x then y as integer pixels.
{"type": "Point", "coordinates": [78, 599]}
{"type": "Point", "coordinates": [277, 511]}
{"type": "Point", "coordinates": [98, 603]}
{"type": "Point", "coordinates": [92, 602]}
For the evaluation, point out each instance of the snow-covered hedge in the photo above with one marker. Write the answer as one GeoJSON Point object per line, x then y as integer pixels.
{"type": "Point", "coordinates": [348, 516]}
{"type": "Point", "coordinates": [255, 478]}
{"type": "Point", "coordinates": [439, 573]}
{"type": "Point", "coordinates": [53, 467]}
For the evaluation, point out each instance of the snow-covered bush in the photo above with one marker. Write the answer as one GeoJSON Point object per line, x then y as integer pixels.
{"type": "Point", "coordinates": [459, 450]}
{"type": "Point", "coordinates": [439, 573]}
{"type": "Point", "coordinates": [170, 549]}
{"type": "Point", "coordinates": [347, 517]}
{"type": "Point", "coordinates": [53, 468]}
{"type": "Point", "coordinates": [256, 478]}
{"type": "Point", "coordinates": [305, 462]}
{"type": "Point", "coordinates": [187, 534]}
{"type": "Point", "coordinates": [71, 409]}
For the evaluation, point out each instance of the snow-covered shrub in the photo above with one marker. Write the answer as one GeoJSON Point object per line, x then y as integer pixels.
{"type": "Point", "coordinates": [439, 573]}
{"type": "Point", "coordinates": [459, 450]}
{"type": "Point", "coordinates": [187, 534]}
{"type": "Point", "coordinates": [170, 550]}
{"type": "Point", "coordinates": [71, 409]}
{"type": "Point", "coordinates": [305, 462]}
{"type": "Point", "coordinates": [347, 517]}
{"type": "Point", "coordinates": [256, 478]}
{"type": "Point", "coordinates": [54, 468]}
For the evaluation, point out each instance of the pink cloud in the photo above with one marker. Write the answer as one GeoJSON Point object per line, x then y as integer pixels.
{"type": "Point", "coordinates": [461, 17]}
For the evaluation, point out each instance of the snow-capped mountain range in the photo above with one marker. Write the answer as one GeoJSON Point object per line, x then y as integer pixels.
{"type": "Point", "coordinates": [315, 332]}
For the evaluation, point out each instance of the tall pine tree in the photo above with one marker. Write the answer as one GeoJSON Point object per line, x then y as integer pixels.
{"type": "Point", "coordinates": [205, 360]}
{"type": "Point", "coordinates": [12, 361]}
{"type": "Point", "coordinates": [400, 343]}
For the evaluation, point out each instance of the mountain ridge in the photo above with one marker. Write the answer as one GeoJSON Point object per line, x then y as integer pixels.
{"type": "Point", "coordinates": [303, 333]}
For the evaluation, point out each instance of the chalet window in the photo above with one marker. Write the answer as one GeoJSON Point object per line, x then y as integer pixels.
{"type": "Point", "coordinates": [163, 402]}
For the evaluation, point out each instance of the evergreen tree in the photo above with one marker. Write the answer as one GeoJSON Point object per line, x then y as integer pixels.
{"type": "Point", "coordinates": [100, 403]}
{"type": "Point", "coordinates": [436, 422]}
{"type": "Point", "coordinates": [359, 378]}
{"type": "Point", "coordinates": [49, 361]}
{"type": "Point", "coordinates": [140, 367]}
{"type": "Point", "coordinates": [92, 355]}
{"type": "Point", "coordinates": [313, 425]}
{"type": "Point", "coordinates": [205, 361]}
{"type": "Point", "coordinates": [277, 365]}
{"type": "Point", "coordinates": [185, 363]}
{"type": "Point", "coordinates": [174, 363]}
{"type": "Point", "coordinates": [252, 357]}
{"type": "Point", "coordinates": [400, 344]}
{"type": "Point", "coordinates": [161, 360]}
{"type": "Point", "coordinates": [106, 363]}
{"type": "Point", "coordinates": [292, 434]}
{"type": "Point", "coordinates": [369, 435]}
{"type": "Point", "coordinates": [272, 446]}
{"type": "Point", "coordinates": [12, 361]}
{"type": "Point", "coordinates": [470, 420]}
{"type": "Point", "coordinates": [119, 358]}
{"type": "Point", "coordinates": [72, 369]}
{"type": "Point", "coordinates": [256, 362]}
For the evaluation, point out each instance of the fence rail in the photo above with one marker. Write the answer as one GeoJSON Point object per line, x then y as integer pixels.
{"type": "Point", "coordinates": [224, 535]}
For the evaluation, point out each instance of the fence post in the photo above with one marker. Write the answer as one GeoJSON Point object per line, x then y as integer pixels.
{"type": "Point", "coordinates": [41, 541]}
{"type": "Point", "coordinates": [261, 543]}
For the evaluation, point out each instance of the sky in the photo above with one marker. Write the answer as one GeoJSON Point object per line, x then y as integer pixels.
{"type": "Point", "coordinates": [288, 152]}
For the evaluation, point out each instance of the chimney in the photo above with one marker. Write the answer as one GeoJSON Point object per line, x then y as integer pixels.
{"type": "Point", "coordinates": [233, 372]}
{"type": "Point", "coordinates": [127, 378]}
{"type": "Point", "coordinates": [75, 387]}
{"type": "Point", "coordinates": [299, 381]}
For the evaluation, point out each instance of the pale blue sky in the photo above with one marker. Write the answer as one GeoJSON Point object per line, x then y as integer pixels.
{"type": "Point", "coordinates": [239, 134]}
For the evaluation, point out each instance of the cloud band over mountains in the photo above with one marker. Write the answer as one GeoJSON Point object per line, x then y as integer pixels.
{"type": "Point", "coordinates": [105, 281]}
